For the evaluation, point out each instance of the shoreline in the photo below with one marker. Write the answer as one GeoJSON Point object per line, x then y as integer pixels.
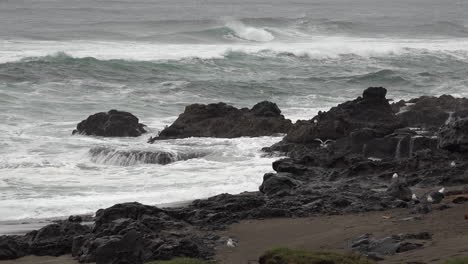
{"type": "Point", "coordinates": [448, 228]}
{"type": "Point", "coordinates": [23, 226]}
{"type": "Point", "coordinates": [367, 181]}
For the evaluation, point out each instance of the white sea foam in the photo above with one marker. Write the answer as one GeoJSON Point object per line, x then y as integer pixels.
{"type": "Point", "coordinates": [79, 185]}
{"type": "Point", "coordinates": [249, 33]}
{"type": "Point", "coordinates": [317, 47]}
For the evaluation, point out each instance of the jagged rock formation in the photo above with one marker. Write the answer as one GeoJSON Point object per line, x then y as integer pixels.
{"type": "Point", "coordinates": [225, 121]}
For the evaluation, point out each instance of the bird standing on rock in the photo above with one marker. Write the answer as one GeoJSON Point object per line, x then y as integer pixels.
{"type": "Point", "coordinates": [436, 197]}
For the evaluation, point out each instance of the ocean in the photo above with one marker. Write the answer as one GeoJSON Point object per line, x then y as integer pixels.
{"type": "Point", "coordinates": [62, 60]}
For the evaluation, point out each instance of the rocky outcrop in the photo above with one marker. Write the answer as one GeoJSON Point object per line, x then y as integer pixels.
{"type": "Point", "coordinates": [52, 240]}
{"type": "Point", "coordinates": [225, 121]}
{"type": "Point", "coordinates": [429, 112]}
{"type": "Point", "coordinates": [111, 124]}
{"type": "Point", "coordinates": [372, 111]}
{"type": "Point", "coordinates": [454, 136]}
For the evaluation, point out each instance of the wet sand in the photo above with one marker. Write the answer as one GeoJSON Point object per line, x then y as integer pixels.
{"type": "Point", "coordinates": [42, 260]}
{"type": "Point", "coordinates": [449, 229]}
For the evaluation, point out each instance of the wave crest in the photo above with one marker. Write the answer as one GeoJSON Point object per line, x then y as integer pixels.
{"type": "Point", "coordinates": [110, 156]}
{"type": "Point", "coordinates": [245, 32]}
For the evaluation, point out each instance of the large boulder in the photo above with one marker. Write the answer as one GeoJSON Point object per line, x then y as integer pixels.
{"type": "Point", "coordinates": [225, 121]}
{"type": "Point", "coordinates": [12, 247]}
{"type": "Point", "coordinates": [399, 189]}
{"type": "Point", "coordinates": [276, 184]}
{"type": "Point", "coordinates": [372, 110]}
{"type": "Point", "coordinates": [111, 124]}
{"type": "Point", "coordinates": [454, 136]}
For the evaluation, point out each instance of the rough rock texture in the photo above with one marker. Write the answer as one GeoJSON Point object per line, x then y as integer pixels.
{"type": "Point", "coordinates": [225, 121]}
{"type": "Point", "coordinates": [400, 190]}
{"type": "Point", "coordinates": [431, 112]}
{"type": "Point", "coordinates": [378, 248]}
{"type": "Point", "coordinates": [52, 240]}
{"type": "Point", "coordinates": [111, 124]}
{"type": "Point", "coordinates": [372, 110]}
{"type": "Point", "coordinates": [454, 136]}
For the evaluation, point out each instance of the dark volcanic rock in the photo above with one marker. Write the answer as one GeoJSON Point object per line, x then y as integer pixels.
{"type": "Point", "coordinates": [400, 190]}
{"type": "Point", "coordinates": [52, 240]}
{"type": "Point", "coordinates": [12, 247]}
{"type": "Point", "coordinates": [378, 248]}
{"type": "Point", "coordinates": [274, 184]}
{"type": "Point", "coordinates": [111, 124]}
{"type": "Point", "coordinates": [370, 111]}
{"type": "Point", "coordinates": [454, 136]}
{"type": "Point", "coordinates": [225, 121]}
{"type": "Point", "coordinates": [56, 239]}
{"type": "Point", "coordinates": [135, 233]}
{"type": "Point", "coordinates": [431, 112]}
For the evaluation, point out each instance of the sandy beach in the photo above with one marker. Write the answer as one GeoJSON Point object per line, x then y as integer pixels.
{"type": "Point", "coordinates": [449, 229]}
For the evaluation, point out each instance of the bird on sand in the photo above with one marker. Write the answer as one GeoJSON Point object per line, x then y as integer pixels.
{"type": "Point", "coordinates": [231, 243]}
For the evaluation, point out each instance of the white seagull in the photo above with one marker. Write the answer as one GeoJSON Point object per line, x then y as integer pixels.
{"type": "Point", "coordinates": [453, 164]}
{"type": "Point", "coordinates": [323, 144]}
{"type": "Point", "coordinates": [442, 190]}
{"type": "Point", "coordinates": [414, 197]}
{"type": "Point", "coordinates": [395, 175]}
{"type": "Point", "coordinates": [230, 243]}
{"type": "Point", "coordinates": [429, 199]}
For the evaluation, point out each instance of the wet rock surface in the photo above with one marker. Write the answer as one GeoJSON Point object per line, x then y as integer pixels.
{"type": "Point", "coordinates": [357, 157]}
{"type": "Point", "coordinates": [111, 124]}
{"type": "Point", "coordinates": [377, 249]}
{"type": "Point", "coordinates": [225, 121]}
{"type": "Point", "coordinates": [129, 157]}
{"type": "Point", "coordinates": [454, 136]}
{"type": "Point", "coordinates": [431, 112]}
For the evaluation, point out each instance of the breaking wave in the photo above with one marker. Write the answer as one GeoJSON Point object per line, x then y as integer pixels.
{"type": "Point", "coordinates": [110, 156]}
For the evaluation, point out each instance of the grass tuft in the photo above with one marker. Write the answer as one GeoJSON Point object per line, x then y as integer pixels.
{"type": "Point", "coordinates": [284, 255]}
{"type": "Point", "coordinates": [462, 260]}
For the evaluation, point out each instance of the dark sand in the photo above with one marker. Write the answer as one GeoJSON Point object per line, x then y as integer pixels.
{"type": "Point", "coordinates": [42, 260]}
{"type": "Point", "coordinates": [449, 228]}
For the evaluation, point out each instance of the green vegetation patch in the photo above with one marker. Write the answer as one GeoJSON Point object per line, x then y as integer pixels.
{"type": "Point", "coordinates": [462, 260]}
{"type": "Point", "coordinates": [180, 261]}
{"type": "Point", "coordinates": [300, 256]}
